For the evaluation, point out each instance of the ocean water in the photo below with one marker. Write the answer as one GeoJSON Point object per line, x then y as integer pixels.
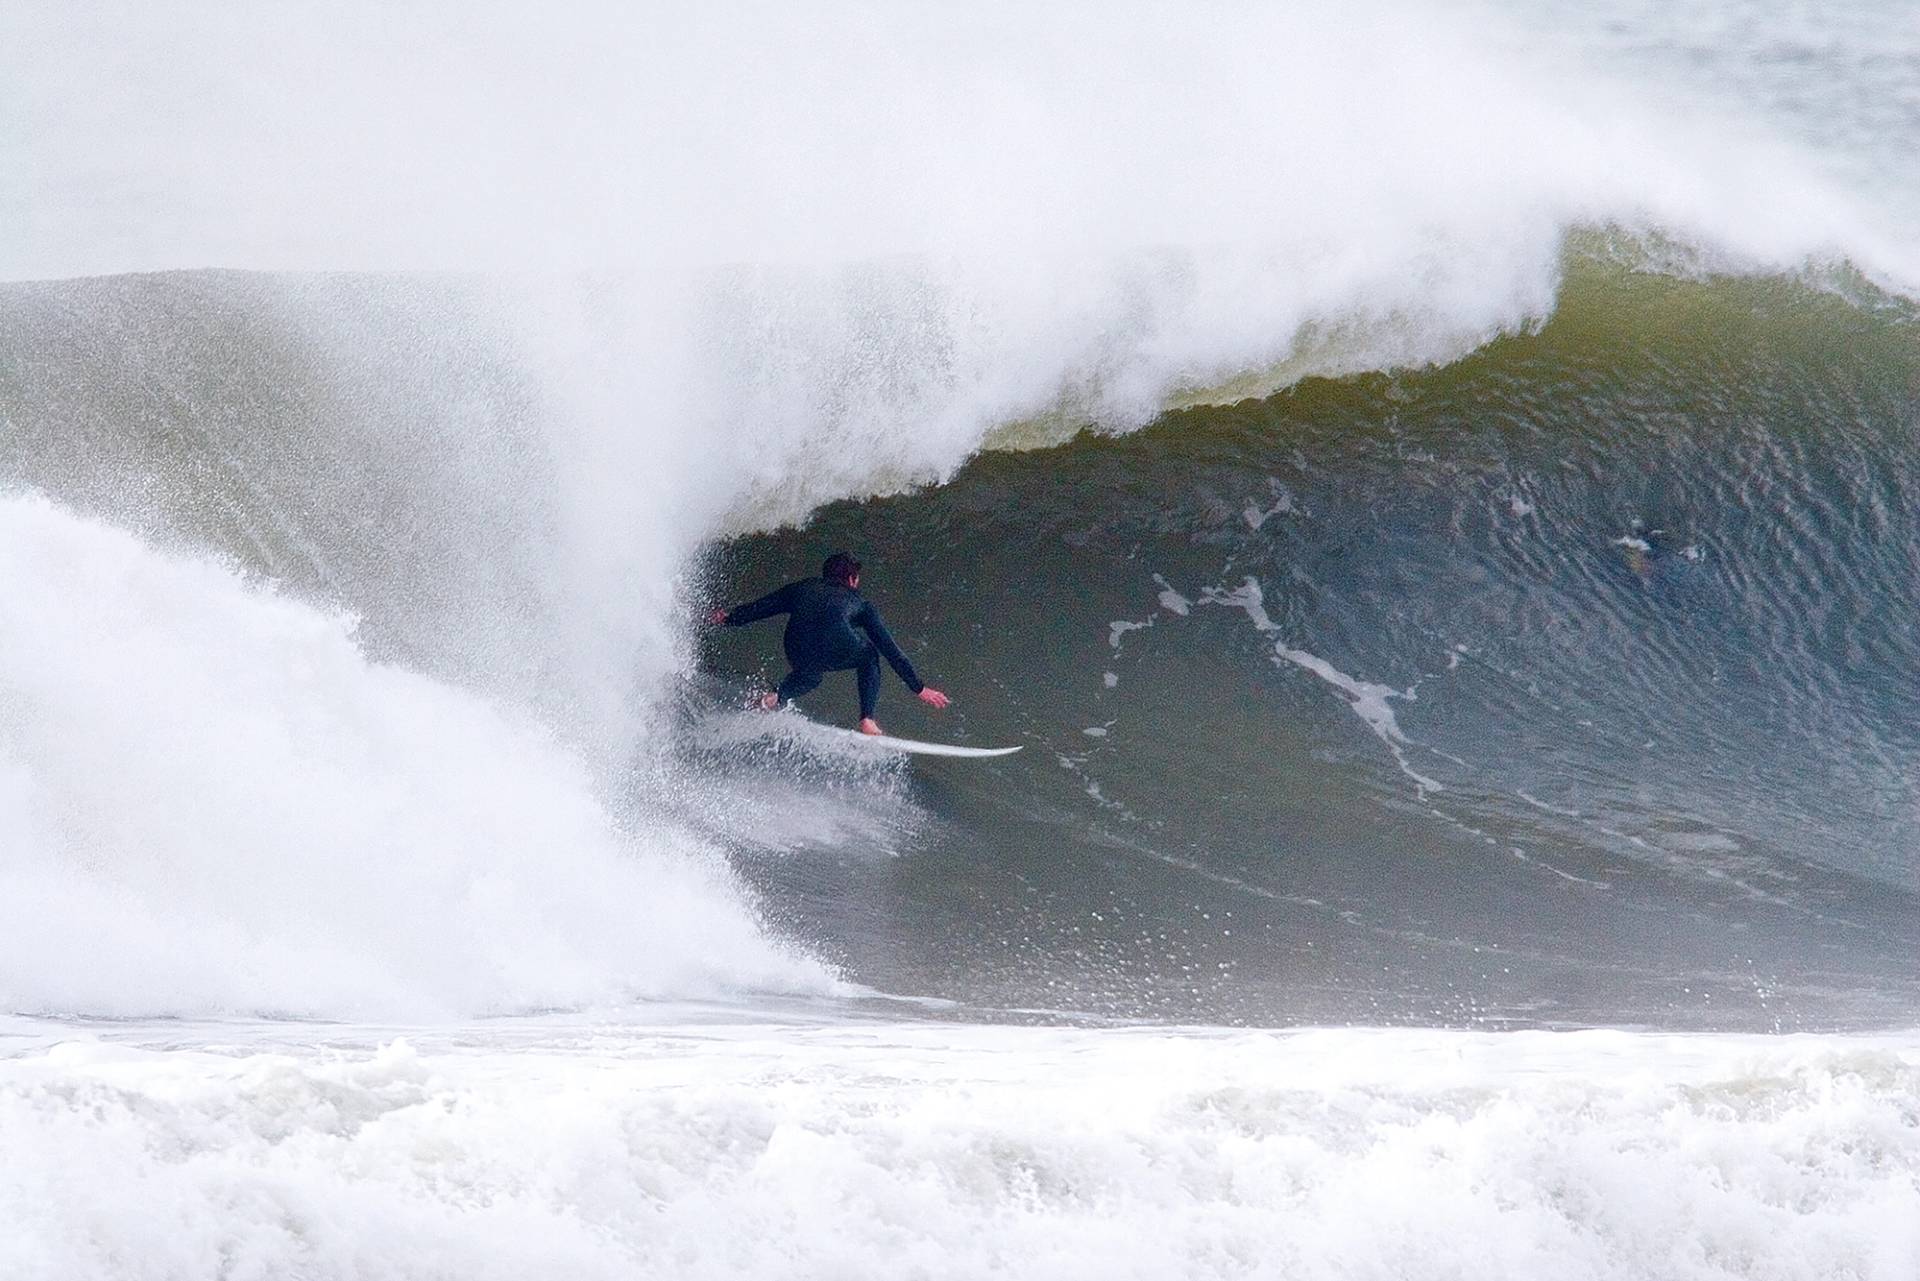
{"type": "Point", "coordinates": [1430, 486]}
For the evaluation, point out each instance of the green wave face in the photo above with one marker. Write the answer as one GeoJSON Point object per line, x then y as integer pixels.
{"type": "Point", "coordinates": [1570, 680]}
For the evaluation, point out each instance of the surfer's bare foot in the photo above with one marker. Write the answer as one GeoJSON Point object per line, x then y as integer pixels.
{"type": "Point", "coordinates": [769, 701]}
{"type": "Point", "coordinates": [870, 726]}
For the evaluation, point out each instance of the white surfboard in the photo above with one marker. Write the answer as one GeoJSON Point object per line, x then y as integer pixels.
{"type": "Point", "coordinates": [913, 745]}
{"type": "Point", "coordinates": [741, 727]}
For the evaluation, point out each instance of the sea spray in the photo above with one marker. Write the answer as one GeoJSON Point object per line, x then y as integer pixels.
{"type": "Point", "coordinates": [212, 800]}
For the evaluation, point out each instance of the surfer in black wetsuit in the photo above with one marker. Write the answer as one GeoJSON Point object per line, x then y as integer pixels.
{"type": "Point", "coordinates": [831, 627]}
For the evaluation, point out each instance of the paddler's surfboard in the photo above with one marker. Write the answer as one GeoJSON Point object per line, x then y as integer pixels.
{"type": "Point", "coordinates": [889, 743]}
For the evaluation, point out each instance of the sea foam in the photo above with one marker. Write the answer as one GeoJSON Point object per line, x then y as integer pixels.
{"type": "Point", "coordinates": [965, 1152]}
{"type": "Point", "coordinates": [211, 799]}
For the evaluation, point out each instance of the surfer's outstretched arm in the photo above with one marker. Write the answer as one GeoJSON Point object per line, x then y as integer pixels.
{"type": "Point", "coordinates": [868, 620]}
{"type": "Point", "coordinates": [775, 602]}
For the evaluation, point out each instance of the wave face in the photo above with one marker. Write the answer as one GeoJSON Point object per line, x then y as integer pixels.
{"type": "Point", "coordinates": [1484, 670]}
{"type": "Point", "coordinates": [1568, 681]}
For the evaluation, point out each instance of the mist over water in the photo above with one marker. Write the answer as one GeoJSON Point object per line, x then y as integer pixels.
{"type": "Point", "coordinates": [1428, 485]}
{"type": "Point", "coordinates": [433, 137]}
{"type": "Point", "coordinates": [212, 791]}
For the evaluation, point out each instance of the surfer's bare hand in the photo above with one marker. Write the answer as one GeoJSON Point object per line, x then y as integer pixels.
{"type": "Point", "coordinates": [933, 697]}
{"type": "Point", "coordinates": [870, 726]}
{"type": "Point", "coordinates": [718, 618]}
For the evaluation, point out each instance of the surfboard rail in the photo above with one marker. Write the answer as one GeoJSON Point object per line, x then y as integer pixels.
{"type": "Point", "coordinates": [791, 724]}
{"type": "Point", "coordinates": [916, 747]}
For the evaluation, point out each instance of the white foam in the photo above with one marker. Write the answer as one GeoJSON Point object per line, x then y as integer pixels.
{"type": "Point", "coordinates": [211, 799]}
{"type": "Point", "coordinates": [970, 1152]}
{"type": "Point", "coordinates": [1172, 601]}
{"type": "Point", "coordinates": [987, 214]}
{"type": "Point", "coordinates": [1119, 627]}
{"type": "Point", "coordinates": [1256, 516]}
{"type": "Point", "coordinates": [1369, 702]}
{"type": "Point", "coordinates": [1367, 698]}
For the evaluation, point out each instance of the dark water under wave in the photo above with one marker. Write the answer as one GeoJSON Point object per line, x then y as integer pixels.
{"type": "Point", "coordinates": [1572, 681]}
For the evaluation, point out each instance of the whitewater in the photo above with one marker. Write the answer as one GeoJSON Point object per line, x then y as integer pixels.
{"type": "Point", "coordinates": [963, 1151]}
{"type": "Point", "coordinates": [1428, 484]}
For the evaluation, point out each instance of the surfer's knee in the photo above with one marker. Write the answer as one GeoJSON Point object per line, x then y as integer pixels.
{"type": "Point", "coordinates": [796, 684]}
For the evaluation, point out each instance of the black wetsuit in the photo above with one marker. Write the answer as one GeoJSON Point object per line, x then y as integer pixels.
{"type": "Point", "coordinates": [830, 628]}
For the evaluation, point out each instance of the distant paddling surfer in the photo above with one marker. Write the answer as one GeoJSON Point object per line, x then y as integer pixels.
{"type": "Point", "coordinates": [831, 627]}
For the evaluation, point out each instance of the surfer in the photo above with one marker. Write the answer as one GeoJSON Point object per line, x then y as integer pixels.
{"type": "Point", "coordinates": [1643, 548]}
{"type": "Point", "coordinates": [831, 627]}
